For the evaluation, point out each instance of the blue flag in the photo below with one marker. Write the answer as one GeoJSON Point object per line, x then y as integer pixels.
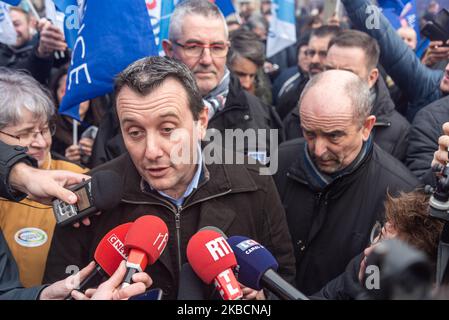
{"type": "Point", "coordinates": [110, 38]}
{"type": "Point", "coordinates": [12, 2]}
{"type": "Point", "coordinates": [72, 20]}
{"type": "Point", "coordinates": [282, 33]}
{"type": "Point", "coordinates": [404, 13]}
{"type": "Point", "coordinates": [225, 6]}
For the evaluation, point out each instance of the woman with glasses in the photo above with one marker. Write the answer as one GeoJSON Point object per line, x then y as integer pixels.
{"type": "Point", "coordinates": [25, 120]}
{"type": "Point", "coordinates": [407, 219]}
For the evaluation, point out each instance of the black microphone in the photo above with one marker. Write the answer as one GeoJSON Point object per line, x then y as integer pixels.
{"type": "Point", "coordinates": [190, 285]}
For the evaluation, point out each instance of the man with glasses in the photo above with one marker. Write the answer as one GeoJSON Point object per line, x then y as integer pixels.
{"type": "Point", "coordinates": [316, 53]}
{"type": "Point", "coordinates": [25, 113]}
{"type": "Point", "coordinates": [198, 37]}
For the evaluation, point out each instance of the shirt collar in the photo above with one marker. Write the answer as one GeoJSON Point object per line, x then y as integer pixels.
{"type": "Point", "coordinates": [192, 185]}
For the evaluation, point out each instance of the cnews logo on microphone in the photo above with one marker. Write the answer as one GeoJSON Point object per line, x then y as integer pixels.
{"type": "Point", "coordinates": [249, 246]}
{"type": "Point", "coordinates": [117, 245]}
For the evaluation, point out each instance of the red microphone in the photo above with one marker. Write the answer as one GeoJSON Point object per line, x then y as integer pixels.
{"type": "Point", "coordinates": [212, 259]}
{"type": "Point", "coordinates": [108, 255]}
{"type": "Point", "coordinates": [144, 243]}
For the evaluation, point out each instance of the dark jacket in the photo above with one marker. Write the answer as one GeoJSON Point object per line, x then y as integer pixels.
{"type": "Point", "coordinates": [418, 83]}
{"type": "Point", "coordinates": [242, 111]}
{"type": "Point", "coordinates": [330, 226]}
{"type": "Point", "coordinates": [427, 127]}
{"type": "Point", "coordinates": [346, 286]}
{"type": "Point", "coordinates": [234, 198]}
{"type": "Point", "coordinates": [289, 94]}
{"type": "Point", "coordinates": [25, 58]}
{"type": "Point", "coordinates": [10, 286]}
{"type": "Point", "coordinates": [390, 132]}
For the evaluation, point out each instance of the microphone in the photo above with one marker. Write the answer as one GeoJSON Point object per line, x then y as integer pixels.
{"type": "Point", "coordinates": [144, 243]}
{"type": "Point", "coordinates": [257, 269]}
{"type": "Point", "coordinates": [102, 192]}
{"type": "Point", "coordinates": [108, 255]}
{"type": "Point", "coordinates": [212, 259]}
{"type": "Point", "coordinates": [190, 286]}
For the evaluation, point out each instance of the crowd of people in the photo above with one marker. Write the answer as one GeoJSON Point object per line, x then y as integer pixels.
{"type": "Point", "coordinates": [361, 123]}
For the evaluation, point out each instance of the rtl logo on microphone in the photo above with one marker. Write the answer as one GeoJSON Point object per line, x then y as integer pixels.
{"type": "Point", "coordinates": [228, 286]}
{"type": "Point", "coordinates": [118, 245]}
{"type": "Point", "coordinates": [218, 248]}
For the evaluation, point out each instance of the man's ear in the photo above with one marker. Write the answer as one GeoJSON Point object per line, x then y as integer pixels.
{"type": "Point", "coordinates": [168, 48]}
{"type": "Point", "coordinates": [372, 77]}
{"type": "Point", "coordinates": [368, 126]}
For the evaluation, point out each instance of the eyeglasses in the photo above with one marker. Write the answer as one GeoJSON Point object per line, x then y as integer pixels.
{"type": "Point", "coordinates": [376, 233]}
{"type": "Point", "coordinates": [28, 137]}
{"type": "Point", "coordinates": [196, 50]}
{"type": "Point", "coordinates": [310, 53]}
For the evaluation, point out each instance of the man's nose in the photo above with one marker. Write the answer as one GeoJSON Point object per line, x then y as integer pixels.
{"type": "Point", "coordinates": [206, 57]}
{"type": "Point", "coordinates": [320, 147]}
{"type": "Point", "coordinates": [153, 149]}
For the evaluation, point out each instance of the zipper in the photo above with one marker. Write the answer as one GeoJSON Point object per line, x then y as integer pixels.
{"type": "Point", "coordinates": [177, 212]}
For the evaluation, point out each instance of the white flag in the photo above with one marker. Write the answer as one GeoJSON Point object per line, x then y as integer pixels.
{"type": "Point", "coordinates": [282, 33]}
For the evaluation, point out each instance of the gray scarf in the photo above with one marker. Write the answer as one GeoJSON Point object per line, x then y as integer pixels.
{"type": "Point", "coordinates": [216, 99]}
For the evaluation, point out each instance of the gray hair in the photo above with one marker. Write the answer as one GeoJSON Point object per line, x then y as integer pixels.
{"type": "Point", "coordinates": [193, 7]}
{"type": "Point", "coordinates": [21, 91]}
{"type": "Point", "coordinates": [147, 74]}
{"type": "Point", "coordinates": [356, 89]}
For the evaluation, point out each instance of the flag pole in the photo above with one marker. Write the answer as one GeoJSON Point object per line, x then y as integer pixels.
{"type": "Point", "coordinates": [33, 9]}
{"type": "Point", "coordinates": [75, 132]}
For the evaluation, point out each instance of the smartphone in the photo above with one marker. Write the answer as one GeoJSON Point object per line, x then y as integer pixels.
{"type": "Point", "coordinates": [70, 213]}
{"type": "Point", "coordinates": [152, 294]}
{"type": "Point", "coordinates": [438, 29]}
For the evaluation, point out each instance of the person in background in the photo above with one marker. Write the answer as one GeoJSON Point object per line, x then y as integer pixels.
{"type": "Point", "coordinates": [246, 58]}
{"type": "Point", "coordinates": [26, 111]}
{"type": "Point", "coordinates": [91, 112]}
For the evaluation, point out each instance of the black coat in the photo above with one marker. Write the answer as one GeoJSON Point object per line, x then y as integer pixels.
{"type": "Point", "coordinates": [427, 127]}
{"type": "Point", "coordinates": [234, 198]}
{"type": "Point", "coordinates": [330, 226]}
{"type": "Point", "coordinates": [25, 58]}
{"type": "Point", "coordinates": [390, 132]}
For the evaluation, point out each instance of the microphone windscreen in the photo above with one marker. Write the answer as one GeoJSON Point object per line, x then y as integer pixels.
{"type": "Point", "coordinates": [253, 260]}
{"type": "Point", "coordinates": [107, 189]}
{"type": "Point", "coordinates": [190, 286]}
{"type": "Point", "coordinates": [110, 251]}
{"type": "Point", "coordinates": [209, 255]}
{"type": "Point", "coordinates": [214, 229]}
{"type": "Point", "coordinates": [148, 234]}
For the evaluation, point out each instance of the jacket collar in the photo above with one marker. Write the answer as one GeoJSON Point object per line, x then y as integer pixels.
{"type": "Point", "coordinates": [298, 171]}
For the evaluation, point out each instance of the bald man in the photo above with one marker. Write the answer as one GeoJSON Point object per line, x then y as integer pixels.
{"type": "Point", "coordinates": [333, 182]}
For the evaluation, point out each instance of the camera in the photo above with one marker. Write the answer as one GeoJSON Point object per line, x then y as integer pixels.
{"type": "Point", "coordinates": [439, 201]}
{"type": "Point", "coordinates": [438, 29]}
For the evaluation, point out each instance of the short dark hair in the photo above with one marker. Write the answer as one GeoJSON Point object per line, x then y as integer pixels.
{"type": "Point", "coordinates": [326, 31]}
{"type": "Point", "coordinates": [358, 39]}
{"type": "Point", "coordinates": [246, 44]}
{"type": "Point", "coordinates": [147, 74]}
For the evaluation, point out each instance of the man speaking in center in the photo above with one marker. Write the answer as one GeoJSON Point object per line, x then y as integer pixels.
{"type": "Point", "coordinates": [160, 109]}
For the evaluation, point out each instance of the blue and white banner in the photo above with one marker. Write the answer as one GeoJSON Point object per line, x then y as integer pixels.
{"type": "Point", "coordinates": [8, 33]}
{"type": "Point", "coordinates": [282, 33]}
{"type": "Point", "coordinates": [12, 2]}
{"type": "Point", "coordinates": [109, 39]}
